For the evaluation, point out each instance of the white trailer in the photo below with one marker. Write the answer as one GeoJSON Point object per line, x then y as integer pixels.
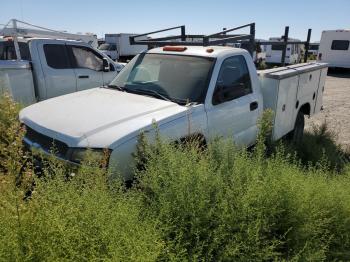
{"type": "Point", "coordinates": [313, 49]}
{"type": "Point", "coordinates": [334, 48]}
{"type": "Point", "coordinates": [274, 51]}
{"type": "Point", "coordinates": [117, 46]}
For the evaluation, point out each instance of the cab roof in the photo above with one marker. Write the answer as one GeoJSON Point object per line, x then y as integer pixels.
{"type": "Point", "coordinates": [204, 51]}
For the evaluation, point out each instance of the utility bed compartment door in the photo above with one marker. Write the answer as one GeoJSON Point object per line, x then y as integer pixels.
{"type": "Point", "coordinates": [285, 109]}
{"type": "Point", "coordinates": [307, 90]}
{"type": "Point", "coordinates": [320, 90]}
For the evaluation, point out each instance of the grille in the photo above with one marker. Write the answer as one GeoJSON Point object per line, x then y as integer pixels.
{"type": "Point", "coordinates": [48, 144]}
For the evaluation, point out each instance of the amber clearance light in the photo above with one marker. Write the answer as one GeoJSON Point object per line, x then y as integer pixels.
{"type": "Point", "coordinates": [175, 48]}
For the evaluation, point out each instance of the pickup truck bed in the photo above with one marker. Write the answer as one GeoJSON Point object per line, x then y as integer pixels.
{"type": "Point", "coordinates": [16, 79]}
{"type": "Point", "coordinates": [285, 88]}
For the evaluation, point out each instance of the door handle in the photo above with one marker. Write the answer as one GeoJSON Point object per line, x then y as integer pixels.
{"type": "Point", "coordinates": [84, 76]}
{"type": "Point", "coordinates": [253, 105]}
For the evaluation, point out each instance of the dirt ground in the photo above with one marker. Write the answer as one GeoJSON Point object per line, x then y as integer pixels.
{"type": "Point", "coordinates": [336, 104]}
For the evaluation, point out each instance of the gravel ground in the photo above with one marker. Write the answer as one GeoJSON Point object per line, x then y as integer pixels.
{"type": "Point", "coordinates": [336, 104]}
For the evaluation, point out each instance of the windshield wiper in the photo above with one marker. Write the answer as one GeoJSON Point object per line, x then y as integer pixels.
{"type": "Point", "coordinates": [151, 92]}
{"type": "Point", "coordinates": [116, 87]}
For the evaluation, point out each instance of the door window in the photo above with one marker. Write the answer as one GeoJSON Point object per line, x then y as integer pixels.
{"type": "Point", "coordinates": [56, 56]}
{"type": "Point", "coordinates": [233, 81]}
{"type": "Point", "coordinates": [85, 57]}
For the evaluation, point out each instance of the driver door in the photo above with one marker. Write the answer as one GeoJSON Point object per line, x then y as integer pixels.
{"type": "Point", "coordinates": [233, 111]}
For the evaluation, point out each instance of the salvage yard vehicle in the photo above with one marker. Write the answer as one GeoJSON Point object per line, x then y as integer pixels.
{"type": "Point", "coordinates": [188, 91]}
{"type": "Point", "coordinates": [35, 68]}
{"type": "Point", "coordinates": [117, 47]}
{"type": "Point", "coordinates": [274, 52]}
{"type": "Point", "coordinates": [335, 48]}
{"type": "Point", "coordinates": [314, 48]}
{"type": "Point", "coordinates": [51, 68]}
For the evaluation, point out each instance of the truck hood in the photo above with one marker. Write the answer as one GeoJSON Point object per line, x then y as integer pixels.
{"type": "Point", "coordinates": [99, 117]}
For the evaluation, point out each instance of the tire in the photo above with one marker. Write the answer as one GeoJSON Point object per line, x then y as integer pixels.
{"type": "Point", "coordinates": [298, 131]}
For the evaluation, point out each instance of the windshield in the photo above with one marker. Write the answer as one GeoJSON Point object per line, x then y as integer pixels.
{"type": "Point", "coordinates": [103, 47]}
{"type": "Point", "coordinates": [182, 79]}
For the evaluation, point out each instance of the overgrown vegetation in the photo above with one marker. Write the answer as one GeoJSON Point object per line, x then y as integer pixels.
{"type": "Point", "coordinates": [215, 204]}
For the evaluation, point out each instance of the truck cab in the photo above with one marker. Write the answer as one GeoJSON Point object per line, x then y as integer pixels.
{"type": "Point", "coordinates": [109, 50]}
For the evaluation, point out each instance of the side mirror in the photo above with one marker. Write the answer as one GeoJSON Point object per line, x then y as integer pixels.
{"type": "Point", "coordinates": [106, 67]}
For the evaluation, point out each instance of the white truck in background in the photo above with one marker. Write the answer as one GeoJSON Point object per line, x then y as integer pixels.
{"type": "Point", "coordinates": [51, 68]}
{"type": "Point", "coordinates": [274, 52]}
{"type": "Point", "coordinates": [335, 48]}
{"type": "Point", "coordinates": [189, 91]}
{"type": "Point", "coordinates": [34, 69]}
{"type": "Point", "coordinates": [118, 47]}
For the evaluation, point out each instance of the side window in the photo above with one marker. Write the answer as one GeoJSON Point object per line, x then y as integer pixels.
{"type": "Point", "coordinates": [24, 50]}
{"type": "Point", "coordinates": [85, 57]}
{"type": "Point", "coordinates": [113, 48]}
{"type": "Point", "coordinates": [56, 56]}
{"type": "Point", "coordinates": [340, 45]}
{"type": "Point", "coordinates": [233, 81]}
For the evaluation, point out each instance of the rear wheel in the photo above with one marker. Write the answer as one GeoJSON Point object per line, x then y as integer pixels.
{"type": "Point", "coordinates": [298, 132]}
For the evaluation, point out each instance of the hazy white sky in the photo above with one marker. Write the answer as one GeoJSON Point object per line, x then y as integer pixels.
{"type": "Point", "coordinates": [202, 17]}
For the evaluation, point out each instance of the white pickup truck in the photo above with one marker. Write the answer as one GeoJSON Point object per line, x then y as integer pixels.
{"type": "Point", "coordinates": [187, 90]}
{"type": "Point", "coordinates": [50, 68]}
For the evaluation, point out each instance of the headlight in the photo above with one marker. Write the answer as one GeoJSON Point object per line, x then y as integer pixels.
{"type": "Point", "coordinates": [98, 155]}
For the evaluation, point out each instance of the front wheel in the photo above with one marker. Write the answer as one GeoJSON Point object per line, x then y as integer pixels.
{"type": "Point", "coordinates": [298, 131]}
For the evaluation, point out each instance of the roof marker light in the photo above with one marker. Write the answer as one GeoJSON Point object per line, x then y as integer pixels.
{"type": "Point", "coordinates": [175, 48]}
{"type": "Point", "coordinates": [210, 50]}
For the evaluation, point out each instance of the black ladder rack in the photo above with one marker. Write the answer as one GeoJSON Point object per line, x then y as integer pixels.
{"type": "Point", "coordinates": [219, 38]}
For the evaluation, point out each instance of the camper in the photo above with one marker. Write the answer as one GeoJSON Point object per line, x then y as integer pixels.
{"type": "Point", "coordinates": [274, 52]}
{"type": "Point", "coordinates": [334, 48]}
{"type": "Point", "coordinates": [117, 47]}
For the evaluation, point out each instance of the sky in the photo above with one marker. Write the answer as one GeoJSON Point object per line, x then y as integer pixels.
{"type": "Point", "coordinates": [200, 17]}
